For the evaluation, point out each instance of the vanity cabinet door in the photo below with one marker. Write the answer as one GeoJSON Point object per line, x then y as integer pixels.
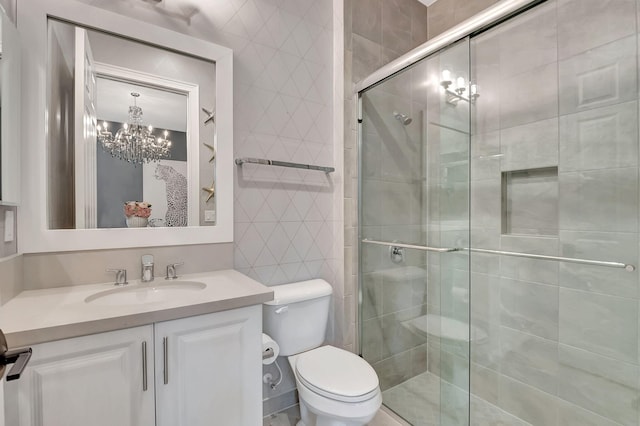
{"type": "Point", "coordinates": [209, 369]}
{"type": "Point", "coordinates": [93, 380]}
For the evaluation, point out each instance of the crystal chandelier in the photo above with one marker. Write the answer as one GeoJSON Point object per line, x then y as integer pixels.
{"type": "Point", "coordinates": [134, 142]}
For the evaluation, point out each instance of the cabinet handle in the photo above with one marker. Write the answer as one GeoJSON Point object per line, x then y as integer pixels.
{"type": "Point", "coordinates": [144, 366]}
{"type": "Point", "coordinates": [165, 347]}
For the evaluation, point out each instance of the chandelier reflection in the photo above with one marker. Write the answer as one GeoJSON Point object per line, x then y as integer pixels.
{"type": "Point", "coordinates": [134, 142]}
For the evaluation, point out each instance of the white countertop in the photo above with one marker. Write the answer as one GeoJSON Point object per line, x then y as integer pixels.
{"type": "Point", "coordinates": [37, 316]}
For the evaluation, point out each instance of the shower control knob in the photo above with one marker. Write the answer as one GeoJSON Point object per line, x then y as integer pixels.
{"type": "Point", "coordinates": [396, 254]}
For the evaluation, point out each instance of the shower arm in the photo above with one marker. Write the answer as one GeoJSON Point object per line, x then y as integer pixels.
{"type": "Point", "coordinates": [625, 266]}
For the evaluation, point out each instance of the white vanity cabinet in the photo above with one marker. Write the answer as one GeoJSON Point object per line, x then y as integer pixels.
{"type": "Point", "coordinates": [202, 370]}
{"type": "Point", "coordinates": [93, 380]}
{"type": "Point", "coordinates": [209, 369]}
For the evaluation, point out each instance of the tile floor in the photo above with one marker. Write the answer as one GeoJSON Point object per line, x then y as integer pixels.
{"type": "Point", "coordinates": [418, 401]}
{"type": "Point", "coordinates": [291, 415]}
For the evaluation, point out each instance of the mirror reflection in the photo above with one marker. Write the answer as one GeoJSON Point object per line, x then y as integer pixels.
{"type": "Point", "coordinates": [126, 144]}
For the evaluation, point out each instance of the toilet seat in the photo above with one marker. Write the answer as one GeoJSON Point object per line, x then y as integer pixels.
{"type": "Point", "coordinates": [337, 374]}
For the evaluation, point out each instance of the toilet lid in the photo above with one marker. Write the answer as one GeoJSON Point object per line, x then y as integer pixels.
{"type": "Point", "coordinates": [336, 373]}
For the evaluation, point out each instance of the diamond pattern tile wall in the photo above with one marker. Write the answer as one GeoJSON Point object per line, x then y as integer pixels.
{"type": "Point", "coordinates": [285, 225]}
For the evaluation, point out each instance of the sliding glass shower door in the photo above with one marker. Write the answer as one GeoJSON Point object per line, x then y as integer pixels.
{"type": "Point", "coordinates": [499, 224]}
{"type": "Point", "coordinates": [554, 172]}
{"type": "Point", "coordinates": [415, 138]}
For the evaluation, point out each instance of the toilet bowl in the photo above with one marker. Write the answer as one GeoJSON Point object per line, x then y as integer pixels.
{"type": "Point", "coordinates": [335, 387]}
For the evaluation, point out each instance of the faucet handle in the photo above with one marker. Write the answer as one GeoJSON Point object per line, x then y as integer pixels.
{"type": "Point", "coordinates": [171, 270]}
{"type": "Point", "coordinates": [121, 276]}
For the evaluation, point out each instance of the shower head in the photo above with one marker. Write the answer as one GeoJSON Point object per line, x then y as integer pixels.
{"type": "Point", "coordinates": [403, 118]}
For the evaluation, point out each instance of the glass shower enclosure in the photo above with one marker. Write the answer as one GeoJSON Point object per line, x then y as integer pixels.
{"type": "Point", "coordinates": [498, 222]}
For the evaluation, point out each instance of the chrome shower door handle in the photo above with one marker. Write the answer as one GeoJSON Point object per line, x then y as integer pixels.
{"type": "Point", "coordinates": [165, 349]}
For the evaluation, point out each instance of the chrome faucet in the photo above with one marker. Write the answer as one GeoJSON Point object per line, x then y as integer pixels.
{"type": "Point", "coordinates": [171, 271]}
{"type": "Point", "coordinates": [147, 268]}
{"type": "Point", "coordinates": [121, 276]}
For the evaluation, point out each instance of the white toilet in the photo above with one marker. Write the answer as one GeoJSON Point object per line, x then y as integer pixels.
{"type": "Point", "coordinates": [336, 387]}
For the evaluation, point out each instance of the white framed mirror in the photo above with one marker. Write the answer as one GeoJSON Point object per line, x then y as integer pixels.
{"type": "Point", "coordinates": [96, 174]}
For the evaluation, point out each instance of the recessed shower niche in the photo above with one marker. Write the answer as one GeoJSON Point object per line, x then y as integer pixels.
{"type": "Point", "coordinates": [530, 201]}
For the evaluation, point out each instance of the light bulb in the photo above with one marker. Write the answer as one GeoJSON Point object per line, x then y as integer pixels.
{"type": "Point", "coordinates": [460, 82]}
{"type": "Point", "coordinates": [126, 126]}
{"type": "Point", "coordinates": [446, 75]}
{"type": "Point", "coordinates": [105, 125]}
{"type": "Point", "coordinates": [150, 128]}
{"type": "Point", "coordinates": [166, 133]}
{"type": "Point", "coordinates": [474, 89]}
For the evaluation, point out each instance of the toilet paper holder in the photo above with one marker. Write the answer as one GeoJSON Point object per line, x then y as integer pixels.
{"type": "Point", "coordinates": [267, 353]}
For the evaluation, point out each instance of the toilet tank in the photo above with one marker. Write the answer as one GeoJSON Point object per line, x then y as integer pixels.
{"type": "Point", "coordinates": [297, 316]}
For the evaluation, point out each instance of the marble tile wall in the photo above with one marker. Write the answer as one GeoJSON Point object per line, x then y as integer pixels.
{"type": "Point", "coordinates": [559, 88]}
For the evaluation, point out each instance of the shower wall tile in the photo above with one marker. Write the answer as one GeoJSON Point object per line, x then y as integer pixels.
{"type": "Point", "coordinates": [529, 307]}
{"type": "Point", "coordinates": [529, 359]}
{"type": "Point", "coordinates": [530, 244]}
{"type": "Point", "coordinates": [485, 156]}
{"type": "Point", "coordinates": [570, 414]}
{"type": "Point", "coordinates": [397, 291]}
{"type": "Point", "coordinates": [618, 247]}
{"type": "Point", "coordinates": [368, 59]}
{"type": "Point", "coordinates": [371, 153]}
{"type": "Point", "coordinates": [598, 323]}
{"type": "Point", "coordinates": [599, 384]}
{"type": "Point", "coordinates": [540, 271]}
{"type": "Point", "coordinates": [398, 202]}
{"type": "Point", "coordinates": [529, 97]}
{"type": "Point", "coordinates": [441, 17]}
{"type": "Point", "coordinates": [529, 42]}
{"type": "Point", "coordinates": [530, 146]}
{"type": "Point", "coordinates": [599, 77]}
{"type": "Point", "coordinates": [603, 138]}
{"type": "Point", "coordinates": [394, 370]}
{"type": "Point", "coordinates": [419, 19]}
{"type": "Point", "coordinates": [454, 369]}
{"type": "Point", "coordinates": [367, 20]}
{"type": "Point", "coordinates": [419, 360]}
{"type": "Point", "coordinates": [372, 340]}
{"type": "Point", "coordinates": [486, 202]}
{"type": "Point", "coordinates": [396, 24]}
{"type": "Point", "coordinates": [599, 200]}
{"type": "Point", "coordinates": [585, 24]}
{"type": "Point", "coordinates": [485, 383]}
{"type": "Point", "coordinates": [528, 403]}
{"type": "Point", "coordinates": [487, 351]}
{"type": "Point", "coordinates": [485, 55]}
{"type": "Point", "coordinates": [485, 293]}
{"type": "Point", "coordinates": [371, 295]}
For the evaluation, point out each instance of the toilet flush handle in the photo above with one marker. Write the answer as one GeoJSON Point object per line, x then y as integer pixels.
{"type": "Point", "coordinates": [282, 310]}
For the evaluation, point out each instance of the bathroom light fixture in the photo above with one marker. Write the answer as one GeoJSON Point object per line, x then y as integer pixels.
{"type": "Point", "coordinates": [456, 93]}
{"type": "Point", "coordinates": [134, 142]}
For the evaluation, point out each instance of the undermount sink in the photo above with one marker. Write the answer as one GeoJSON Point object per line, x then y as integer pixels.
{"type": "Point", "coordinates": [143, 293]}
